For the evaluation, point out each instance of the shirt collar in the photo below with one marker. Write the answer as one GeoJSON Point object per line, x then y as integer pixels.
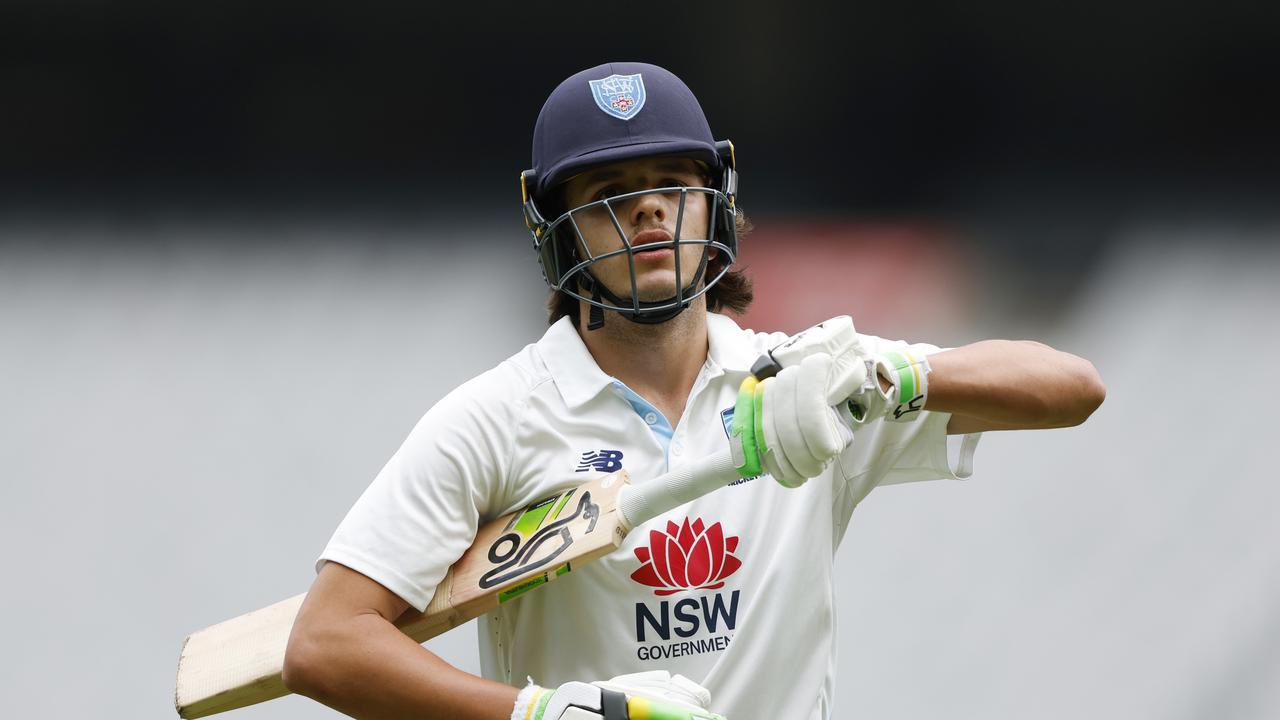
{"type": "Point", "coordinates": [730, 348]}
{"type": "Point", "coordinates": [574, 371]}
{"type": "Point", "coordinates": [580, 379]}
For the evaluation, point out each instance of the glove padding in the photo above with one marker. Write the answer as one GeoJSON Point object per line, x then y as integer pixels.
{"type": "Point", "coordinates": [778, 424]}
{"type": "Point", "coordinates": [904, 372]}
{"type": "Point", "coordinates": [655, 694]}
{"type": "Point", "coordinates": [676, 690]}
{"type": "Point", "coordinates": [804, 416]}
{"type": "Point", "coordinates": [835, 337]}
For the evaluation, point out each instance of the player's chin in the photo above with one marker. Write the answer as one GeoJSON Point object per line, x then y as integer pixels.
{"type": "Point", "coordinates": [653, 283]}
{"type": "Point", "coordinates": [659, 291]}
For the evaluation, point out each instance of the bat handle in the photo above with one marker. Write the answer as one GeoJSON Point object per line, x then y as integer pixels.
{"type": "Point", "coordinates": [642, 502]}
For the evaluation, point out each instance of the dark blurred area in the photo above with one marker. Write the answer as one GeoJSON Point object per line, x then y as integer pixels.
{"type": "Point", "coordinates": [844, 105]}
{"type": "Point", "coordinates": [1034, 128]}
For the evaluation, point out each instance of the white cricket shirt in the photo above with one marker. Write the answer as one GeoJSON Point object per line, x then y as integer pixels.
{"type": "Point", "coordinates": [730, 590]}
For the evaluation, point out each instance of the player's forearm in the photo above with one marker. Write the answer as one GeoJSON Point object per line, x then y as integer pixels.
{"type": "Point", "coordinates": [366, 668]}
{"type": "Point", "coordinates": [1014, 385]}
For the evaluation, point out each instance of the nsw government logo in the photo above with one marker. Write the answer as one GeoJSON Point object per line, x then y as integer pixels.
{"type": "Point", "coordinates": [684, 557]}
{"type": "Point", "coordinates": [602, 460]}
{"type": "Point", "coordinates": [621, 96]}
{"type": "Point", "coordinates": [691, 556]}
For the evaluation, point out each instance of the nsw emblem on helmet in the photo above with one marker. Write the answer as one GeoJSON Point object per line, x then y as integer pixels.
{"type": "Point", "coordinates": [621, 96]}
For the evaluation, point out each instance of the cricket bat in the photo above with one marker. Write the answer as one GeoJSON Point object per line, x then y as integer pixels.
{"type": "Point", "coordinates": [238, 662]}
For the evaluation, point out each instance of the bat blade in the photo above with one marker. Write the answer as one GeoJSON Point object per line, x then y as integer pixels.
{"type": "Point", "coordinates": [238, 662]}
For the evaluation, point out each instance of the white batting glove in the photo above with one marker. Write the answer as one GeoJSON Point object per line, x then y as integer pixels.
{"type": "Point", "coordinates": [676, 690]}
{"type": "Point", "coordinates": [835, 337]}
{"type": "Point", "coordinates": [907, 374]}
{"type": "Point", "coordinates": [794, 424]}
{"type": "Point", "coordinates": [804, 417]}
{"type": "Point", "coordinates": [902, 394]}
{"type": "Point", "coordinates": [654, 694]}
{"type": "Point", "coordinates": [904, 372]}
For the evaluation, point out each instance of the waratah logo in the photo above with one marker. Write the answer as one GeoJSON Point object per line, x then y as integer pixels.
{"type": "Point", "coordinates": [687, 557]}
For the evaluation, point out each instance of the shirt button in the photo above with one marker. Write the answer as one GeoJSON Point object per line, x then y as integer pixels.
{"type": "Point", "coordinates": [677, 447]}
{"type": "Point", "coordinates": [651, 418]}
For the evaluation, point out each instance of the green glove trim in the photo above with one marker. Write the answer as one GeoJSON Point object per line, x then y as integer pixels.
{"type": "Point", "coordinates": [758, 410]}
{"type": "Point", "coordinates": [906, 380]}
{"type": "Point", "coordinates": [642, 708]}
{"type": "Point", "coordinates": [744, 428]}
{"type": "Point", "coordinates": [542, 703]}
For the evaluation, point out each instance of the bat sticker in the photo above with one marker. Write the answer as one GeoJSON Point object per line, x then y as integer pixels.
{"type": "Point", "coordinates": [515, 556]}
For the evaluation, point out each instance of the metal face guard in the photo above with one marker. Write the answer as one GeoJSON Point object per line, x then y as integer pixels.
{"type": "Point", "coordinates": [567, 260]}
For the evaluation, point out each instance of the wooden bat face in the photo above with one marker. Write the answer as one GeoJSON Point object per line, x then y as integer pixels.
{"type": "Point", "coordinates": [523, 550]}
{"type": "Point", "coordinates": [238, 662]}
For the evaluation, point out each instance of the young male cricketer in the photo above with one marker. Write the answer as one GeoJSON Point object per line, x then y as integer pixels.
{"type": "Point", "coordinates": [632, 206]}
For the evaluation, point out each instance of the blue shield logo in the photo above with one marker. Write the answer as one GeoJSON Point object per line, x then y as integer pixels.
{"type": "Point", "coordinates": [621, 96]}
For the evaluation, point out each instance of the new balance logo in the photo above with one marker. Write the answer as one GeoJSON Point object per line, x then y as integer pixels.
{"type": "Point", "coordinates": [602, 460]}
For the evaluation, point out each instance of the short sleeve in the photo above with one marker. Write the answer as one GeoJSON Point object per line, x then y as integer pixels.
{"type": "Point", "coordinates": [422, 510]}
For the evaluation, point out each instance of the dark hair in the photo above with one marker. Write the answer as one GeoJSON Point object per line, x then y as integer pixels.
{"type": "Point", "coordinates": [733, 292]}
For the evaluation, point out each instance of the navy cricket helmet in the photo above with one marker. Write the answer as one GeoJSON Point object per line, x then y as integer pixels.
{"type": "Point", "coordinates": [607, 114]}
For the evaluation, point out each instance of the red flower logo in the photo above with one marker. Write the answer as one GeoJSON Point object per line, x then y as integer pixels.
{"type": "Point", "coordinates": [687, 557]}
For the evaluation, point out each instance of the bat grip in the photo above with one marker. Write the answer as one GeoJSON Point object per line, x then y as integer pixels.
{"type": "Point", "coordinates": [642, 502]}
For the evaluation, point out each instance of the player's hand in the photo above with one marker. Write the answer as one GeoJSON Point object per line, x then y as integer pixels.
{"type": "Point", "coordinates": [647, 694]}
{"type": "Point", "coordinates": [835, 337]}
{"type": "Point", "coordinates": [805, 419]}
{"type": "Point", "coordinates": [898, 379]}
{"type": "Point", "coordinates": [792, 425]}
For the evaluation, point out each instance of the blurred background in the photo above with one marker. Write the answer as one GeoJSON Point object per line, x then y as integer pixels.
{"type": "Point", "coordinates": [244, 246]}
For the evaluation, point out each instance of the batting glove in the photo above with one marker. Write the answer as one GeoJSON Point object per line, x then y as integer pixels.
{"type": "Point", "coordinates": [656, 694]}
{"type": "Point", "coordinates": [905, 373]}
{"type": "Point", "coordinates": [792, 425]}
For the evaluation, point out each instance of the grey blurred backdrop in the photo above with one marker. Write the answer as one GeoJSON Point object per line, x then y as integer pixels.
{"type": "Point", "coordinates": [244, 248]}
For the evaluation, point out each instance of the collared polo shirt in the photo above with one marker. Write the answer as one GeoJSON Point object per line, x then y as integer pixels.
{"type": "Point", "coordinates": [729, 590]}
